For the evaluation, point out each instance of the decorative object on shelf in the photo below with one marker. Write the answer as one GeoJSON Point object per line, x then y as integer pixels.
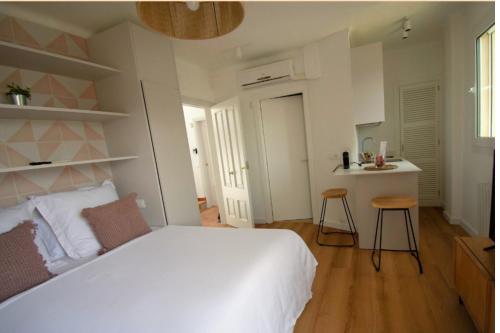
{"type": "Point", "coordinates": [40, 163]}
{"type": "Point", "coordinates": [379, 160]}
{"type": "Point", "coordinates": [18, 94]}
{"type": "Point", "coordinates": [366, 157]}
{"type": "Point", "coordinates": [345, 159]}
{"type": "Point", "coordinates": [192, 19]}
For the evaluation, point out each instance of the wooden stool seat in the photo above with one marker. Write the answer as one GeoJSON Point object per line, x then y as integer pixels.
{"type": "Point", "coordinates": [334, 193]}
{"type": "Point", "coordinates": [394, 202]}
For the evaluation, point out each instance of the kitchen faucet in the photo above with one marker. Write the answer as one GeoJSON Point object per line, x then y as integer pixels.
{"type": "Point", "coordinates": [363, 143]}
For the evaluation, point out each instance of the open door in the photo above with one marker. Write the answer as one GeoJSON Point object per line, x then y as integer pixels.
{"type": "Point", "coordinates": [233, 165]}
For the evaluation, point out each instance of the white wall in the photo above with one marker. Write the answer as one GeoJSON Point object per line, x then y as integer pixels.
{"type": "Point", "coordinates": [471, 164]}
{"type": "Point", "coordinates": [194, 81]}
{"type": "Point", "coordinates": [405, 64]}
{"type": "Point", "coordinates": [453, 116]}
{"type": "Point", "coordinates": [330, 101]}
{"type": "Point", "coordinates": [191, 115]}
{"type": "Point", "coordinates": [225, 85]}
{"type": "Point", "coordinates": [331, 124]}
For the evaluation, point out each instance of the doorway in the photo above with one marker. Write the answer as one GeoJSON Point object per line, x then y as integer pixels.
{"type": "Point", "coordinates": [285, 146]}
{"type": "Point", "coordinates": [199, 151]}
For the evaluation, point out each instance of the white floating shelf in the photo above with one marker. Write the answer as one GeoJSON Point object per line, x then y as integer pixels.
{"type": "Point", "coordinates": [63, 164]}
{"type": "Point", "coordinates": [8, 111]}
{"type": "Point", "coordinates": [43, 61]}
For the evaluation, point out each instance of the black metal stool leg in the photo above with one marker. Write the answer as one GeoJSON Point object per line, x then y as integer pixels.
{"type": "Point", "coordinates": [408, 234]}
{"type": "Point", "coordinates": [414, 242]}
{"type": "Point", "coordinates": [322, 224]}
{"type": "Point", "coordinates": [349, 210]}
{"type": "Point", "coordinates": [380, 240]}
{"type": "Point", "coordinates": [377, 268]}
{"type": "Point", "coordinates": [321, 220]}
{"type": "Point", "coordinates": [344, 200]}
{"type": "Point", "coordinates": [323, 209]}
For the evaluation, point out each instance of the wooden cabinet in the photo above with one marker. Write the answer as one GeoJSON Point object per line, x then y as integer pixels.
{"type": "Point", "coordinates": [147, 90]}
{"type": "Point", "coordinates": [367, 70]}
{"type": "Point", "coordinates": [475, 280]}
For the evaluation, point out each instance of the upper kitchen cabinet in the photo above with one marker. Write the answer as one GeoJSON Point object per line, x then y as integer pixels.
{"type": "Point", "coordinates": [367, 69]}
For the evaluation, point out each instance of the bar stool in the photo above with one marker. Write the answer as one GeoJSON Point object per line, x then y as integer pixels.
{"type": "Point", "coordinates": [336, 193]}
{"type": "Point", "coordinates": [404, 204]}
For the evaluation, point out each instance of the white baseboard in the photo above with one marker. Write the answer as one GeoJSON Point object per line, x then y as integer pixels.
{"type": "Point", "coordinates": [470, 230]}
{"type": "Point", "coordinates": [461, 222]}
{"type": "Point", "coordinates": [259, 221]}
{"type": "Point", "coordinates": [467, 227]}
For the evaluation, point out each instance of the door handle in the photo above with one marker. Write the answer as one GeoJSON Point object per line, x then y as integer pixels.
{"type": "Point", "coordinates": [305, 160]}
{"type": "Point", "coordinates": [231, 172]}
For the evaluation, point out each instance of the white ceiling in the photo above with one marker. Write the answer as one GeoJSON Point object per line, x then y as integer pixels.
{"type": "Point", "coordinates": [268, 27]}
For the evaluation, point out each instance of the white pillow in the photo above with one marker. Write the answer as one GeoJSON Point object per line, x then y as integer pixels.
{"type": "Point", "coordinates": [12, 216]}
{"type": "Point", "coordinates": [62, 211]}
{"type": "Point", "coordinates": [48, 238]}
{"type": "Point", "coordinates": [91, 187]}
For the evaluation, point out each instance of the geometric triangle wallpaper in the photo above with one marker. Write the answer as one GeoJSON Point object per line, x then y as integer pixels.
{"type": "Point", "coordinates": [34, 35]}
{"type": "Point", "coordinates": [23, 141]}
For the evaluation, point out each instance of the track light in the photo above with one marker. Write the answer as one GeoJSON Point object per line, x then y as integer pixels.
{"type": "Point", "coordinates": [404, 35]}
{"type": "Point", "coordinates": [406, 24]}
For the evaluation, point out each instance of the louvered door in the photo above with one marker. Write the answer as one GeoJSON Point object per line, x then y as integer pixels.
{"type": "Point", "coordinates": [420, 144]}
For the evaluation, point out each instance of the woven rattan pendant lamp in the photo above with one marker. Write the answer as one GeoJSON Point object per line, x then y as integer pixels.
{"type": "Point", "coordinates": [191, 20]}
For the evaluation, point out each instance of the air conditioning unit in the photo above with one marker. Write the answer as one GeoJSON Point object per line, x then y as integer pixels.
{"type": "Point", "coordinates": [274, 72]}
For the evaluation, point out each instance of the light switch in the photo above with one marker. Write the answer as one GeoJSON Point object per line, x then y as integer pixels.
{"type": "Point", "coordinates": [141, 203]}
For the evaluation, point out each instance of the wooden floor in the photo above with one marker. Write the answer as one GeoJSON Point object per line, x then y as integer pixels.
{"type": "Point", "coordinates": [349, 296]}
{"type": "Point", "coordinates": [209, 217]}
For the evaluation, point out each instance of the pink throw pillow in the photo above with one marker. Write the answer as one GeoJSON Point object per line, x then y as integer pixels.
{"type": "Point", "coordinates": [117, 222]}
{"type": "Point", "coordinates": [21, 266]}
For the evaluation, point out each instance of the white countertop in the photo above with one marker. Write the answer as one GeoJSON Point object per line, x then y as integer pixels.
{"type": "Point", "coordinates": [403, 167]}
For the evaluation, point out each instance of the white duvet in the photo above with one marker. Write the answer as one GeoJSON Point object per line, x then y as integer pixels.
{"type": "Point", "coordinates": [176, 279]}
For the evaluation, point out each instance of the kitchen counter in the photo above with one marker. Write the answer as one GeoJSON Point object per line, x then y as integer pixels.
{"type": "Point", "coordinates": [403, 166]}
{"type": "Point", "coordinates": [370, 184]}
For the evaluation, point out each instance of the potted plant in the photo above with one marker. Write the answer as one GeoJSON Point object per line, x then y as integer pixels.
{"type": "Point", "coordinates": [18, 94]}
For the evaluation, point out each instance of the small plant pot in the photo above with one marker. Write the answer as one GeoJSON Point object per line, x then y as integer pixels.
{"type": "Point", "coordinates": [18, 99]}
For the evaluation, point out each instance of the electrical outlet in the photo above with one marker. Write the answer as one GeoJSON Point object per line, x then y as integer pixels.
{"type": "Point", "coordinates": [141, 203]}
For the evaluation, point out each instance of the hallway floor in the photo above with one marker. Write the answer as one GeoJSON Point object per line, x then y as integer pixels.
{"type": "Point", "coordinates": [209, 218]}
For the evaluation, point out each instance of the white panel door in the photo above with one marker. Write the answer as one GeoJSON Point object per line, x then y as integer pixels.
{"type": "Point", "coordinates": [419, 109]}
{"type": "Point", "coordinates": [233, 165]}
{"type": "Point", "coordinates": [286, 154]}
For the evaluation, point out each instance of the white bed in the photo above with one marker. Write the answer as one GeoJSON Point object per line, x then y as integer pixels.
{"type": "Point", "coordinates": [176, 279]}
